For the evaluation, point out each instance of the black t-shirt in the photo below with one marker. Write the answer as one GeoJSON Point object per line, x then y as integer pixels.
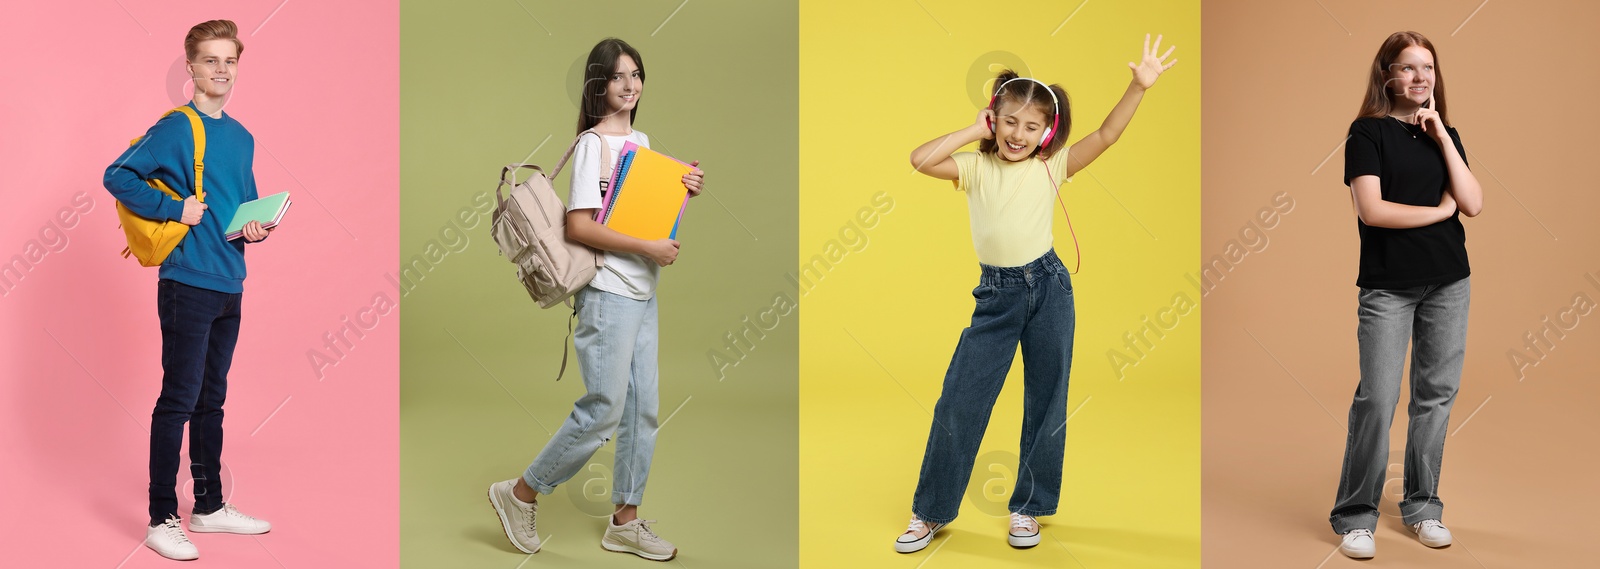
{"type": "Point", "coordinates": [1411, 170]}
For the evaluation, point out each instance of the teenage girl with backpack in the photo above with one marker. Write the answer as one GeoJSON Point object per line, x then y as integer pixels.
{"type": "Point", "coordinates": [1024, 293]}
{"type": "Point", "coordinates": [616, 336]}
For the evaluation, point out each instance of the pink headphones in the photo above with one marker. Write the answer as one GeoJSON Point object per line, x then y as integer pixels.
{"type": "Point", "coordinates": [1049, 133]}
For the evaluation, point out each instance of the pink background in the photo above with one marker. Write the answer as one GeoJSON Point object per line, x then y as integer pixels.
{"type": "Point", "coordinates": [79, 339]}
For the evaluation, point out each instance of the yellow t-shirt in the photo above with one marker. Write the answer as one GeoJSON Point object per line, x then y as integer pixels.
{"type": "Point", "coordinates": [1010, 204]}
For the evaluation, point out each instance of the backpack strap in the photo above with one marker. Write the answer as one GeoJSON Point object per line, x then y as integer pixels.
{"type": "Point", "coordinates": [568, 339]}
{"type": "Point", "coordinates": [604, 150]}
{"type": "Point", "coordinates": [511, 169]}
{"type": "Point", "coordinates": [600, 165]}
{"type": "Point", "coordinates": [199, 131]}
{"type": "Point", "coordinates": [605, 153]}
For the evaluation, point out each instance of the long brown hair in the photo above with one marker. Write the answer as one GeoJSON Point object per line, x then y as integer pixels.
{"type": "Point", "coordinates": [1028, 92]}
{"type": "Point", "coordinates": [1377, 103]}
{"type": "Point", "coordinates": [597, 75]}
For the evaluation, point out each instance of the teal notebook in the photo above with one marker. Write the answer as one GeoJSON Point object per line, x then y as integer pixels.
{"type": "Point", "coordinates": [268, 210]}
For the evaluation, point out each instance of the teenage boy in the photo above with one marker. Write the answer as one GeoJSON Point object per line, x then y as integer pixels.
{"type": "Point", "coordinates": [200, 288]}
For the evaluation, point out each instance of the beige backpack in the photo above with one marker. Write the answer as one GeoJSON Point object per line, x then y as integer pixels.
{"type": "Point", "coordinates": [530, 226]}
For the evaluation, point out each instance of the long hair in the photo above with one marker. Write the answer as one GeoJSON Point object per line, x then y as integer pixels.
{"type": "Point", "coordinates": [597, 75]}
{"type": "Point", "coordinates": [1028, 92]}
{"type": "Point", "coordinates": [1378, 102]}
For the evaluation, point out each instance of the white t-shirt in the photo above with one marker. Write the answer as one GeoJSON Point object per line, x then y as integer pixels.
{"type": "Point", "coordinates": [626, 274]}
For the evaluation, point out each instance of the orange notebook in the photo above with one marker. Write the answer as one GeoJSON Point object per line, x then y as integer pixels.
{"type": "Point", "coordinates": [648, 202]}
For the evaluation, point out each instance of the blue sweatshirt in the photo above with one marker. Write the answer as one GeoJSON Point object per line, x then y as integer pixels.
{"type": "Point", "coordinates": [203, 259]}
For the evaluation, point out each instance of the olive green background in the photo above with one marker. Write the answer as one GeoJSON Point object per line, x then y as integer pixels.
{"type": "Point", "coordinates": [484, 85]}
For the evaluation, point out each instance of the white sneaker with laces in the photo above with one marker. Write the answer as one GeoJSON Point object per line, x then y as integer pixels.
{"type": "Point", "coordinates": [169, 541]}
{"type": "Point", "coordinates": [1358, 544]}
{"type": "Point", "coordinates": [917, 536]}
{"type": "Point", "coordinates": [637, 538]}
{"type": "Point", "coordinates": [1432, 533]}
{"type": "Point", "coordinates": [1024, 531]}
{"type": "Point", "coordinates": [516, 517]}
{"type": "Point", "coordinates": [228, 520]}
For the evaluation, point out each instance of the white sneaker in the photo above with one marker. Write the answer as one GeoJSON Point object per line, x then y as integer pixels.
{"type": "Point", "coordinates": [1432, 533]}
{"type": "Point", "coordinates": [169, 541]}
{"type": "Point", "coordinates": [1024, 531]}
{"type": "Point", "coordinates": [227, 520]}
{"type": "Point", "coordinates": [516, 516]}
{"type": "Point", "coordinates": [637, 538]}
{"type": "Point", "coordinates": [1358, 544]}
{"type": "Point", "coordinates": [917, 536]}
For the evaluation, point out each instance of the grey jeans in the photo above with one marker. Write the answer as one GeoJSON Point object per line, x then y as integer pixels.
{"type": "Point", "coordinates": [1433, 319]}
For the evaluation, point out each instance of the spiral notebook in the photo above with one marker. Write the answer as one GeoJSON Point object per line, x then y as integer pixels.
{"type": "Point", "coordinates": [619, 172]}
{"type": "Point", "coordinates": [647, 198]}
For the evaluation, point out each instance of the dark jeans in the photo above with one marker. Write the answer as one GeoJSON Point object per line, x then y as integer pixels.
{"type": "Point", "coordinates": [1432, 319]}
{"type": "Point", "coordinates": [199, 328]}
{"type": "Point", "coordinates": [1031, 304]}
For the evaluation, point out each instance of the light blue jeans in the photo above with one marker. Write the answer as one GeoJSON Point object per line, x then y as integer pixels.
{"type": "Point", "coordinates": [616, 340]}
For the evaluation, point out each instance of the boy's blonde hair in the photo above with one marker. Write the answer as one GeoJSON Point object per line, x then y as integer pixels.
{"type": "Point", "coordinates": [211, 30]}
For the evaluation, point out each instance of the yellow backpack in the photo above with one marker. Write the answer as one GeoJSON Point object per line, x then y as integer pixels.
{"type": "Point", "coordinates": [149, 240]}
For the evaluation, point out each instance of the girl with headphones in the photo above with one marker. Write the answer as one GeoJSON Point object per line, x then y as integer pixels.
{"type": "Point", "coordinates": [1024, 293]}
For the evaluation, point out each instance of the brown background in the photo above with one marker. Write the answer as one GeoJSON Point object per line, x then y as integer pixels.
{"type": "Point", "coordinates": [1283, 81]}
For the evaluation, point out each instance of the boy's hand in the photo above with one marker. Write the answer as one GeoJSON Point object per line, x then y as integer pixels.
{"type": "Point", "coordinates": [662, 251]}
{"type": "Point", "coordinates": [193, 210]}
{"type": "Point", "coordinates": [694, 180]}
{"type": "Point", "coordinates": [253, 232]}
{"type": "Point", "coordinates": [1150, 67]}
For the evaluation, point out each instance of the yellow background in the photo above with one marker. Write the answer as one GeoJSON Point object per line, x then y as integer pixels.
{"type": "Point", "coordinates": [878, 330]}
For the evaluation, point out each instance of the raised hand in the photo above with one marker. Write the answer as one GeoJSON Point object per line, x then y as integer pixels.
{"type": "Point", "coordinates": [1150, 67]}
